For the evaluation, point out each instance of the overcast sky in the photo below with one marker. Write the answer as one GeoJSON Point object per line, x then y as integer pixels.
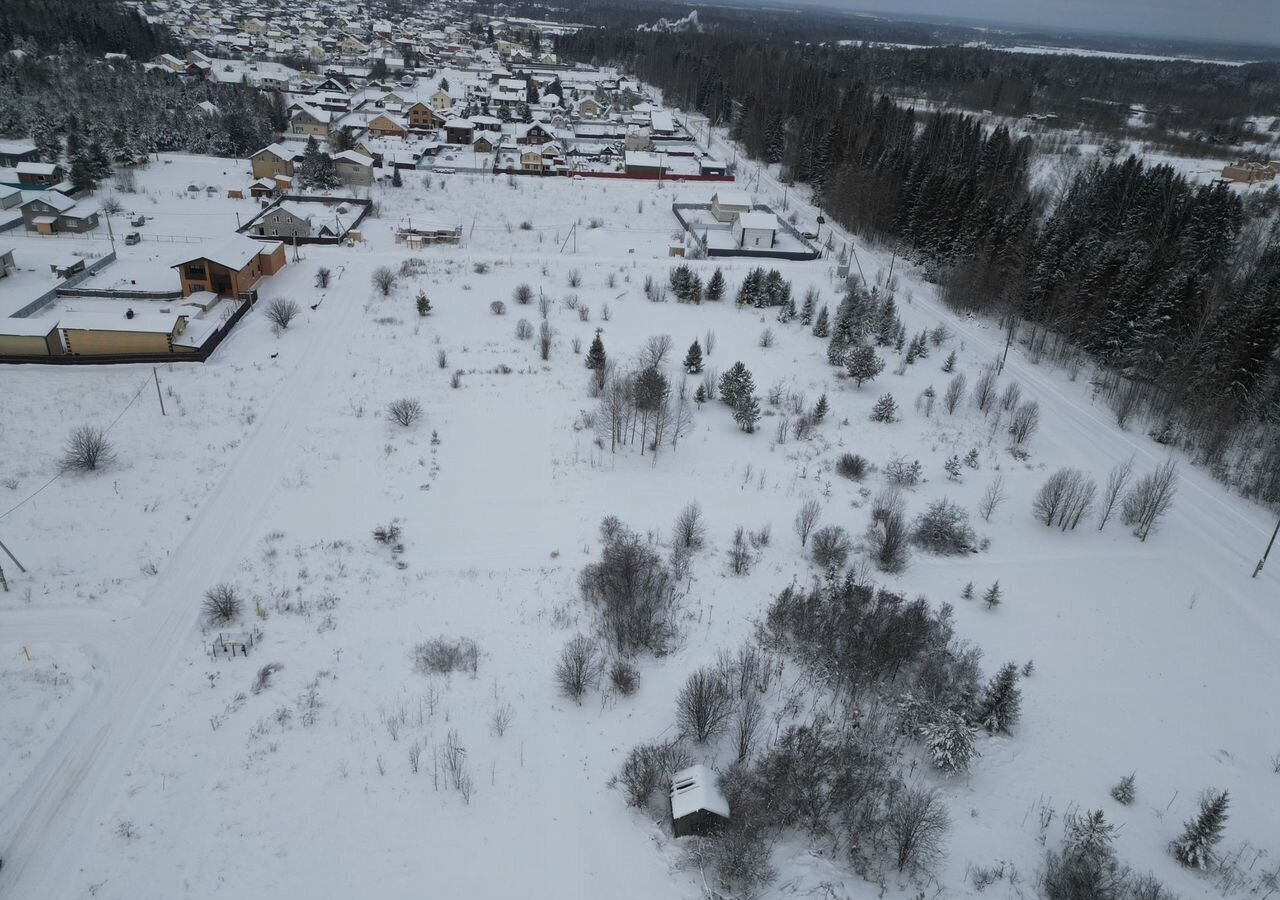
{"type": "Point", "coordinates": [1248, 21]}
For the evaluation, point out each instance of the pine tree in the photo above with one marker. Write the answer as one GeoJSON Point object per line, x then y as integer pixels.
{"type": "Point", "coordinates": [992, 596]}
{"type": "Point", "coordinates": [396, 180]}
{"type": "Point", "coordinates": [596, 357]}
{"type": "Point", "coordinates": [1125, 789]}
{"type": "Point", "coordinates": [81, 173]}
{"type": "Point", "coordinates": [751, 291]}
{"type": "Point", "coordinates": [746, 412]}
{"type": "Point", "coordinates": [1001, 701]}
{"type": "Point", "coordinates": [735, 384]}
{"type": "Point", "coordinates": [950, 743]}
{"type": "Point", "coordinates": [317, 169]}
{"type": "Point", "coordinates": [700, 395]}
{"type": "Point", "coordinates": [693, 359]}
{"type": "Point", "coordinates": [1194, 848]}
{"type": "Point", "coordinates": [952, 466]}
{"type": "Point", "coordinates": [423, 304]}
{"type": "Point", "coordinates": [949, 364]}
{"type": "Point", "coordinates": [967, 593]}
{"type": "Point", "coordinates": [715, 287]}
{"type": "Point", "coordinates": [864, 365]}
{"type": "Point", "coordinates": [885, 410]}
{"type": "Point", "coordinates": [821, 327]}
{"type": "Point", "coordinates": [820, 410]}
{"type": "Point", "coordinates": [806, 311]}
{"type": "Point", "coordinates": [1089, 835]}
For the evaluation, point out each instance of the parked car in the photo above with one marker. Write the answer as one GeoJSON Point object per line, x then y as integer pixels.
{"type": "Point", "coordinates": [132, 238]}
{"type": "Point", "coordinates": [138, 221]}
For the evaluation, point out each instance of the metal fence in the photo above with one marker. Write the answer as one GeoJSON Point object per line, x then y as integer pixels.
{"type": "Point", "coordinates": [48, 296]}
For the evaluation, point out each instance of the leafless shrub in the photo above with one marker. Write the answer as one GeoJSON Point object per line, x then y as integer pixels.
{"type": "Point", "coordinates": [443, 656]}
{"type": "Point", "coordinates": [916, 822]}
{"type": "Point", "coordinates": [740, 553]}
{"type": "Point", "coordinates": [1149, 499]}
{"type": "Point", "coordinates": [281, 311]}
{"type": "Point", "coordinates": [500, 721]}
{"type": "Point", "coordinates": [704, 705]}
{"type": "Point", "coordinates": [746, 724]}
{"type": "Point", "coordinates": [522, 295]}
{"type": "Point", "coordinates": [584, 313]}
{"type": "Point", "coordinates": [807, 519]}
{"type": "Point", "coordinates": [455, 380]}
{"type": "Point", "coordinates": [1012, 394]}
{"type": "Point", "coordinates": [955, 393]}
{"type": "Point", "coordinates": [544, 306]}
{"type": "Point", "coordinates": [524, 330]}
{"type": "Point", "coordinates": [544, 340]}
{"type": "Point", "coordinates": [578, 668]}
{"type": "Point", "coordinates": [903, 472]}
{"type": "Point", "coordinates": [415, 757]}
{"type": "Point", "coordinates": [943, 528]}
{"type": "Point", "coordinates": [889, 535]}
{"type": "Point", "coordinates": [498, 308]}
{"type": "Point", "coordinates": [384, 280]}
{"type": "Point", "coordinates": [831, 546]}
{"type": "Point", "coordinates": [852, 466]}
{"type": "Point", "coordinates": [767, 338]}
{"type": "Point", "coordinates": [574, 278]}
{"type": "Point", "coordinates": [690, 530]}
{"type": "Point", "coordinates": [222, 604]}
{"type": "Point", "coordinates": [404, 411]}
{"type": "Point", "coordinates": [263, 679]}
{"type": "Point", "coordinates": [992, 497]}
{"type": "Point", "coordinates": [984, 391]}
{"type": "Point", "coordinates": [87, 449]}
{"type": "Point", "coordinates": [624, 677]}
{"type": "Point", "coordinates": [632, 591]}
{"type": "Point", "coordinates": [1024, 422]}
{"type": "Point", "coordinates": [576, 344]}
{"type": "Point", "coordinates": [1117, 481]}
{"type": "Point", "coordinates": [648, 768]}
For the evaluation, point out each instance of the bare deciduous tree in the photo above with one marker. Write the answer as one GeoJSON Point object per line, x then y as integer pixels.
{"type": "Point", "coordinates": [404, 411]}
{"type": "Point", "coordinates": [1024, 421]}
{"type": "Point", "coordinates": [992, 497]}
{"type": "Point", "coordinates": [984, 391]}
{"type": "Point", "coordinates": [831, 547]}
{"type": "Point", "coordinates": [523, 294]}
{"type": "Point", "coordinates": [1065, 498]}
{"type": "Point", "coordinates": [746, 724]}
{"type": "Point", "coordinates": [704, 705]}
{"type": "Point", "coordinates": [1117, 481]}
{"type": "Point", "coordinates": [955, 393]}
{"type": "Point", "coordinates": [578, 668]}
{"type": "Point", "coordinates": [690, 530]}
{"type": "Point", "coordinates": [916, 821]}
{"type": "Point", "coordinates": [1149, 499]}
{"type": "Point", "coordinates": [655, 351]}
{"type": "Point", "coordinates": [87, 449]}
{"type": "Point", "coordinates": [807, 519]}
{"type": "Point", "coordinates": [222, 604]}
{"type": "Point", "coordinates": [384, 280]}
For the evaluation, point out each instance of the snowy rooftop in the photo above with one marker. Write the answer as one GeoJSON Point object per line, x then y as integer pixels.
{"type": "Point", "coordinates": [235, 253]}
{"type": "Point", "coordinates": [695, 789]}
{"type": "Point", "coordinates": [733, 198]}
{"type": "Point", "coordinates": [759, 220]}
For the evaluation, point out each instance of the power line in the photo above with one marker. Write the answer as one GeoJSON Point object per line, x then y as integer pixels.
{"type": "Point", "coordinates": [61, 472]}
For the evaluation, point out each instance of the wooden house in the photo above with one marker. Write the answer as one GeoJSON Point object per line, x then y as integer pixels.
{"type": "Point", "coordinates": [697, 805]}
{"type": "Point", "coordinates": [232, 269]}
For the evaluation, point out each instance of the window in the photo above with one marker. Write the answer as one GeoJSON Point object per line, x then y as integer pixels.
{"type": "Point", "coordinates": [195, 270]}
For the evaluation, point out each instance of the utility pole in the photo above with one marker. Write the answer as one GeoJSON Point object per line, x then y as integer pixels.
{"type": "Point", "coordinates": [159, 396]}
{"type": "Point", "coordinates": [1262, 562]}
{"type": "Point", "coordinates": [3, 583]}
{"type": "Point", "coordinates": [9, 553]}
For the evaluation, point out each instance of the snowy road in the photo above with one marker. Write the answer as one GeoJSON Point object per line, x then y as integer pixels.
{"type": "Point", "coordinates": [45, 829]}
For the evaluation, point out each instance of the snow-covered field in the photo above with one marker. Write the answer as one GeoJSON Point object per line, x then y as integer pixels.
{"type": "Point", "coordinates": [174, 778]}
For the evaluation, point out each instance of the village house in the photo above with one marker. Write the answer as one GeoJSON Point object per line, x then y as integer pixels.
{"type": "Point", "coordinates": [728, 205]}
{"type": "Point", "coordinates": [440, 100]}
{"type": "Point", "coordinates": [533, 133]}
{"type": "Point", "coordinates": [7, 264]}
{"type": "Point", "coordinates": [30, 337]}
{"type": "Point", "coordinates": [354, 168]}
{"type": "Point", "coordinates": [459, 131]}
{"type": "Point", "coordinates": [14, 152]}
{"type": "Point", "coordinates": [38, 173]}
{"type": "Point", "coordinates": [54, 211]}
{"type": "Point", "coordinates": [755, 230]}
{"type": "Point", "coordinates": [386, 125]}
{"type": "Point", "coordinates": [286, 220]}
{"type": "Point", "coordinates": [273, 160]}
{"type": "Point", "coordinates": [104, 334]}
{"type": "Point", "coordinates": [232, 269]}
{"type": "Point", "coordinates": [1251, 172]}
{"type": "Point", "coordinates": [311, 121]}
{"type": "Point", "coordinates": [9, 196]}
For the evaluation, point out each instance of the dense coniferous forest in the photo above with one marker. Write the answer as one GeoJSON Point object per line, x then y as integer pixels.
{"type": "Point", "coordinates": [96, 26]}
{"type": "Point", "coordinates": [65, 101]}
{"type": "Point", "coordinates": [1173, 287]}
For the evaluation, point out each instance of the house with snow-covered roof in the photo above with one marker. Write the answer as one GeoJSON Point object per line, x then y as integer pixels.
{"type": "Point", "coordinates": [697, 805]}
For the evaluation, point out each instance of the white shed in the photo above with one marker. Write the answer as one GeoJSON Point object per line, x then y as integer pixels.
{"type": "Point", "coordinates": [727, 204]}
{"type": "Point", "coordinates": [697, 806]}
{"type": "Point", "coordinates": [755, 230]}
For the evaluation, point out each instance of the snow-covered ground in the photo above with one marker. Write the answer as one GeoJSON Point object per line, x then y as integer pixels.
{"type": "Point", "coordinates": [276, 461]}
